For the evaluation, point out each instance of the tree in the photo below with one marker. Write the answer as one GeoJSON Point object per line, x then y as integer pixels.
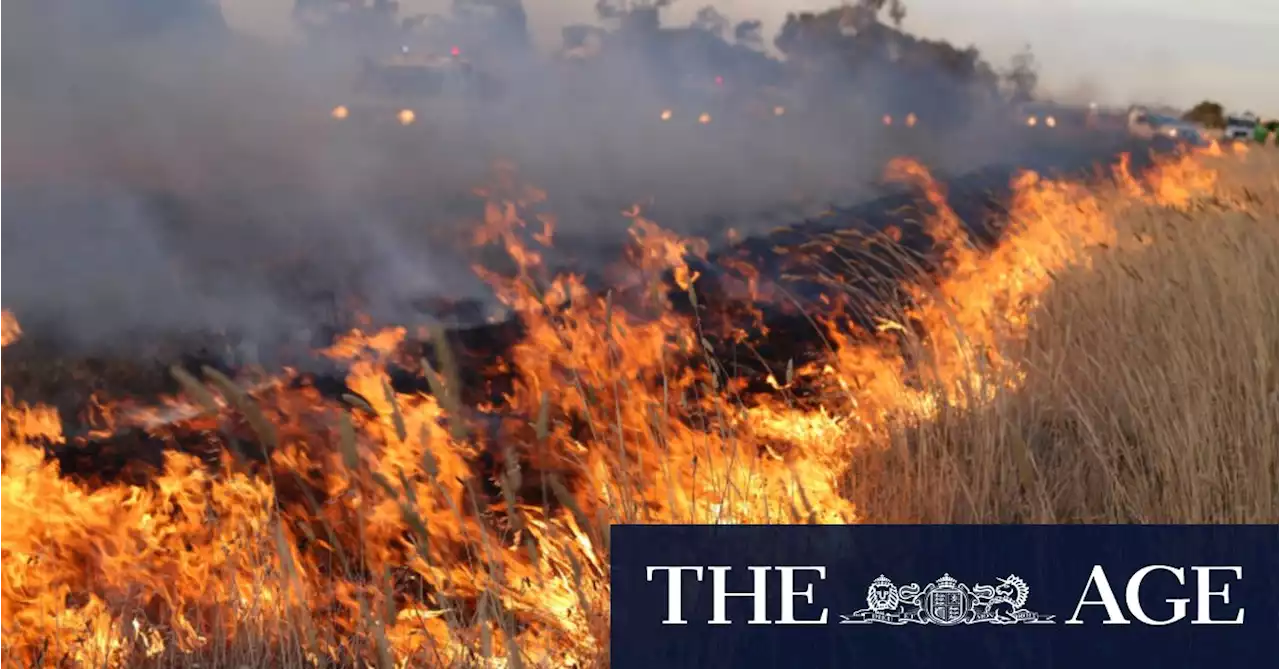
{"type": "Point", "coordinates": [1023, 75]}
{"type": "Point", "coordinates": [610, 9]}
{"type": "Point", "coordinates": [490, 23]}
{"type": "Point", "coordinates": [897, 12]}
{"type": "Point", "coordinates": [750, 34]}
{"type": "Point", "coordinates": [1207, 113]}
{"type": "Point", "coordinates": [850, 28]}
{"type": "Point", "coordinates": [711, 20]}
{"type": "Point", "coordinates": [850, 38]}
{"type": "Point", "coordinates": [863, 13]}
{"type": "Point", "coordinates": [858, 54]}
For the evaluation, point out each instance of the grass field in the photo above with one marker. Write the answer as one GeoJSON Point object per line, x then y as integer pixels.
{"type": "Point", "coordinates": [1113, 360]}
{"type": "Point", "coordinates": [1150, 389]}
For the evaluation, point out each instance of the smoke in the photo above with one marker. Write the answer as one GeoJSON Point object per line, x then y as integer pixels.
{"type": "Point", "coordinates": [180, 178]}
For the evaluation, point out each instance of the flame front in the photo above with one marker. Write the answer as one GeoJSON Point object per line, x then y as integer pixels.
{"type": "Point", "coordinates": [10, 331]}
{"type": "Point", "coordinates": [359, 531]}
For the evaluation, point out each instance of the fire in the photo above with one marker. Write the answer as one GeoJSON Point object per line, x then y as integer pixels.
{"type": "Point", "coordinates": [10, 331]}
{"type": "Point", "coordinates": [1176, 183]}
{"type": "Point", "coordinates": [406, 527]}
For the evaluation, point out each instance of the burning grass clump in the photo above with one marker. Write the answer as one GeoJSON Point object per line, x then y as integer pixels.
{"type": "Point", "coordinates": [1110, 356]}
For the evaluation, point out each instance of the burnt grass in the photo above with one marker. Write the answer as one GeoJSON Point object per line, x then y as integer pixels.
{"type": "Point", "coordinates": [856, 256]}
{"type": "Point", "coordinates": [846, 254]}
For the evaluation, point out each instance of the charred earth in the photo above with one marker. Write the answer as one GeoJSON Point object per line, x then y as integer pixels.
{"type": "Point", "coordinates": [858, 254]}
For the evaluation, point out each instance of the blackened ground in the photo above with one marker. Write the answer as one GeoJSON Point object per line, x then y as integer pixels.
{"type": "Point", "coordinates": [843, 258]}
{"type": "Point", "coordinates": [805, 260]}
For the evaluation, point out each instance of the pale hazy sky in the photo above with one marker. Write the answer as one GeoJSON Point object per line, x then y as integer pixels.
{"type": "Point", "coordinates": [1118, 51]}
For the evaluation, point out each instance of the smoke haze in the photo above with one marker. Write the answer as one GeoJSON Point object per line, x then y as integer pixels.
{"type": "Point", "coordinates": [185, 181]}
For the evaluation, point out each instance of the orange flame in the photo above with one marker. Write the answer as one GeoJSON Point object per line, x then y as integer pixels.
{"type": "Point", "coordinates": [10, 331]}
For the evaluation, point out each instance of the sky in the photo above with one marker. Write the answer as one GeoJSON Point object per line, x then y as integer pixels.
{"type": "Point", "coordinates": [1174, 52]}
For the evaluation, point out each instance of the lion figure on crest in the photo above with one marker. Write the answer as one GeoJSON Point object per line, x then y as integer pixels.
{"type": "Point", "coordinates": [882, 595]}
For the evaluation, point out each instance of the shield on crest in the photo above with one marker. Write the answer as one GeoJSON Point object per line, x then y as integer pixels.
{"type": "Point", "coordinates": [946, 606]}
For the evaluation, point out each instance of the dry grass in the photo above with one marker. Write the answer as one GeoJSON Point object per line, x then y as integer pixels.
{"type": "Point", "coordinates": [1149, 396]}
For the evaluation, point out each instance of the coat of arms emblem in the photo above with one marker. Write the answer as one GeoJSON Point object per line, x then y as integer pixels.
{"type": "Point", "coordinates": [947, 602]}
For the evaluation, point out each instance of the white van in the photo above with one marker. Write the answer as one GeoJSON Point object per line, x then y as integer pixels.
{"type": "Point", "coordinates": [1240, 127]}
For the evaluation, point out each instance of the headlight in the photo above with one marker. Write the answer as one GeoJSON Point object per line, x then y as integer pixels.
{"type": "Point", "coordinates": [705, 118]}
{"type": "Point", "coordinates": [406, 116]}
{"type": "Point", "coordinates": [1051, 121]}
{"type": "Point", "coordinates": [666, 115]}
{"type": "Point", "coordinates": [340, 112]}
{"type": "Point", "coordinates": [911, 120]}
{"type": "Point", "coordinates": [779, 110]}
{"type": "Point", "coordinates": [1172, 132]}
{"type": "Point", "coordinates": [886, 119]}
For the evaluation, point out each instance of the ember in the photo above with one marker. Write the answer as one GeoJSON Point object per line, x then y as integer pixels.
{"type": "Point", "coordinates": [448, 495]}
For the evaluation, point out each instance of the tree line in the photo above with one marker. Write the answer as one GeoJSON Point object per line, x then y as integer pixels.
{"type": "Point", "coordinates": [856, 51]}
{"type": "Point", "coordinates": [861, 43]}
{"type": "Point", "coordinates": [1211, 114]}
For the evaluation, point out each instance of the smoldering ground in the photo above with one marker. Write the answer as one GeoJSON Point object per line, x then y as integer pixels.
{"type": "Point", "coordinates": [161, 186]}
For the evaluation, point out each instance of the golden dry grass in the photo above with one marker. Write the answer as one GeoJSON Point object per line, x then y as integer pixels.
{"type": "Point", "coordinates": [1150, 394]}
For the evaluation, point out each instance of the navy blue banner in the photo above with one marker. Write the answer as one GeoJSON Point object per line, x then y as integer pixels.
{"type": "Point", "coordinates": [1071, 596]}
